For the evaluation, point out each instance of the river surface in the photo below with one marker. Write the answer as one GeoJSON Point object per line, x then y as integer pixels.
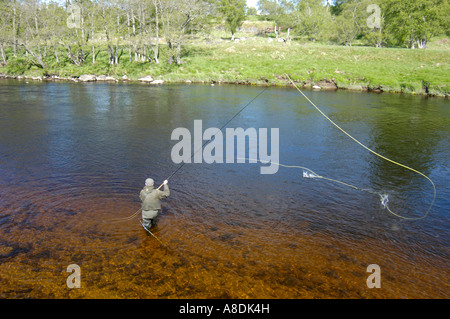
{"type": "Point", "coordinates": [74, 157]}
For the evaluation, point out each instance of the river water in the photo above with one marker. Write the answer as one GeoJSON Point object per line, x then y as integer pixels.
{"type": "Point", "coordinates": [73, 158]}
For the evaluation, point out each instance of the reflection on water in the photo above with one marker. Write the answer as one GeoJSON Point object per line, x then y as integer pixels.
{"type": "Point", "coordinates": [74, 156]}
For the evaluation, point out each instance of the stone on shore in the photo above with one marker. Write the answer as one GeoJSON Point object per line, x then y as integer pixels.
{"type": "Point", "coordinates": [147, 79]}
{"type": "Point", "coordinates": [327, 84]}
{"type": "Point", "coordinates": [106, 78]}
{"type": "Point", "coordinates": [87, 78]}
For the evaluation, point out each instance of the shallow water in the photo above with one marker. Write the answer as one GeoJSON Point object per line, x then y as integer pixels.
{"type": "Point", "coordinates": [73, 158]}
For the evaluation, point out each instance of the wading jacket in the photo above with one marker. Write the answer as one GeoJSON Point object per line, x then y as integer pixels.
{"type": "Point", "coordinates": [151, 197]}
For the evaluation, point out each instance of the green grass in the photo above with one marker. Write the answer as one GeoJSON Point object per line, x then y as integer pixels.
{"type": "Point", "coordinates": [256, 61]}
{"type": "Point", "coordinates": [393, 70]}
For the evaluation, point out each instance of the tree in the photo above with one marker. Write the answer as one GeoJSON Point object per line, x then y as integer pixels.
{"type": "Point", "coordinates": [345, 28]}
{"type": "Point", "coordinates": [274, 10]}
{"type": "Point", "coordinates": [157, 4]}
{"type": "Point", "coordinates": [92, 24]}
{"type": "Point", "coordinates": [252, 11]}
{"type": "Point", "coordinates": [6, 33]}
{"type": "Point", "coordinates": [375, 34]}
{"type": "Point", "coordinates": [415, 22]}
{"type": "Point", "coordinates": [337, 6]}
{"type": "Point", "coordinates": [177, 17]}
{"type": "Point", "coordinates": [312, 18]}
{"type": "Point", "coordinates": [53, 20]}
{"type": "Point", "coordinates": [30, 31]}
{"type": "Point", "coordinates": [356, 20]}
{"type": "Point", "coordinates": [233, 11]}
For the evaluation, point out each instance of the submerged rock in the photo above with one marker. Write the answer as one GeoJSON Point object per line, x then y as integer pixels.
{"type": "Point", "coordinates": [5, 251]}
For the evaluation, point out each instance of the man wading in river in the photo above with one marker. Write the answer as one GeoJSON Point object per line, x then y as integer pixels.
{"type": "Point", "coordinates": [151, 201]}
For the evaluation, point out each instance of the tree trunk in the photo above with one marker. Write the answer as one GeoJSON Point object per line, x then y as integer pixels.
{"type": "Point", "coordinates": [179, 52]}
{"type": "Point", "coordinates": [421, 43]}
{"type": "Point", "coordinates": [156, 46]}
{"type": "Point", "coordinates": [82, 22]}
{"type": "Point", "coordinates": [133, 22]}
{"type": "Point", "coordinates": [108, 40]}
{"type": "Point", "coordinates": [15, 31]}
{"type": "Point", "coordinates": [56, 55]}
{"type": "Point", "coordinates": [110, 54]}
{"type": "Point", "coordinates": [136, 57]}
{"type": "Point", "coordinates": [2, 52]}
{"type": "Point", "coordinates": [36, 21]}
{"type": "Point", "coordinates": [170, 59]}
{"type": "Point", "coordinates": [38, 59]}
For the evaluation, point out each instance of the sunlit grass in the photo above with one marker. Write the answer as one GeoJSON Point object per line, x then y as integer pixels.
{"type": "Point", "coordinates": [258, 61]}
{"type": "Point", "coordinates": [390, 69]}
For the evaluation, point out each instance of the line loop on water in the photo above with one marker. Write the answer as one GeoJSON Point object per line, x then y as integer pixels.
{"type": "Point", "coordinates": [383, 197]}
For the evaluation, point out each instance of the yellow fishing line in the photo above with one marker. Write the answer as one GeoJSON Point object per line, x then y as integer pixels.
{"type": "Point", "coordinates": [115, 220]}
{"type": "Point", "coordinates": [384, 199]}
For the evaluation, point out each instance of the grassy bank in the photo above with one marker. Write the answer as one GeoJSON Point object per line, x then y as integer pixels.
{"type": "Point", "coordinates": [259, 62]}
{"type": "Point", "coordinates": [392, 70]}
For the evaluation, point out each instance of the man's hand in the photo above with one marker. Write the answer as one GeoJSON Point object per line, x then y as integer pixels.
{"type": "Point", "coordinates": [165, 182]}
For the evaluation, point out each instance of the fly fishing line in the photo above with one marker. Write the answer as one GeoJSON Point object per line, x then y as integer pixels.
{"type": "Point", "coordinates": [383, 197]}
{"type": "Point", "coordinates": [204, 144]}
{"type": "Point", "coordinates": [218, 130]}
{"type": "Point", "coordinates": [182, 164]}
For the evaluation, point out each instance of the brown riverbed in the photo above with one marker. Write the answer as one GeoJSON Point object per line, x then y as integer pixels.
{"type": "Point", "coordinates": [74, 157]}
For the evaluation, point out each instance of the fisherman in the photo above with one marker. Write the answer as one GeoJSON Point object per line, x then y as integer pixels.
{"type": "Point", "coordinates": [151, 201]}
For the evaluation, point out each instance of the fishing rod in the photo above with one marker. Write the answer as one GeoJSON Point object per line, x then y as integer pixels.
{"type": "Point", "coordinates": [182, 164]}
{"type": "Point", "coordinates": [219, 130]}
{"type": "Point", "coordinates": [148, 230]}
{"type": "Point", "coordinates": [204, 144]}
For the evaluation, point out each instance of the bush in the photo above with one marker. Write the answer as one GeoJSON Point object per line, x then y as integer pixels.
{"type": "Point", "coordinates": [18, 66]}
